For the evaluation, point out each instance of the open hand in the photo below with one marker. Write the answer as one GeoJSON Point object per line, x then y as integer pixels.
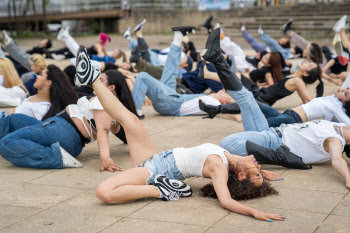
{"type": "Point", "coordinates": [110, 165]}
{"type": "Point", "coordinates": [271, 176]}
{"type": "Point", "coordinates": [268, 217]}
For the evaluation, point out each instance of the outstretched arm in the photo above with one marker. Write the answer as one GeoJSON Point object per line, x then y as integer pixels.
{"type": "Point", "coordinates": [335, 150]}
{"type": "Point", "coordinates": [220, 177]}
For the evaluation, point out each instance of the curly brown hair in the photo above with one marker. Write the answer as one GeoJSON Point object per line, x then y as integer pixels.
{"type": "Point", "coordinates": [240, 190]}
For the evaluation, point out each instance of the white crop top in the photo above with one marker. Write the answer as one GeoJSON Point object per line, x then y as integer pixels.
{"type": "Point", "coordinates": [85, 109]}
{"type": "Point", "coordinates": [307, 139]}
{"type": "Point", "coordinates": [33, 109]}
{"type": "Point", "coordinates": [190, 161]}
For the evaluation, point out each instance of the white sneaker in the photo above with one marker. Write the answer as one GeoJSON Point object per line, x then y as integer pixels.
{"type": "Point", "coordinates": [58, 57]}
{"type": "Point", "coordinates": [127, 33]}
{"type": "Point", "coordinates": [139, 26]}
{"type": "Point", "coordinates": [69, 160]}
{"type": "Point", "coordinates": [242, 29]}
{"type": "Point", "coordinates": [340, 24]}
{"type": "Point", "coordinates": [260, 30]}
{"type": "Point", "coordinates": [8, 39]}
{"type": "Point", "coordinates": [63, 34]}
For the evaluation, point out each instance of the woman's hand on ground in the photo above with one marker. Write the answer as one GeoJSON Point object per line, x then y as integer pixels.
{"type": "Point", "coordinates": [268, 217]}
{"type": "Point", "coordinates": [110, 165]}
{"type": "Point", "coordinates": [271, 176]}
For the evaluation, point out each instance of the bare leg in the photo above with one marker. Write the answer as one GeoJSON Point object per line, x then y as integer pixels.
{"type": "Point", "coordinates": [344, 39]}
{"type": "Point", "coordinates": [126, 187]}
{"type": "Point", "coordinates": [140, 143]}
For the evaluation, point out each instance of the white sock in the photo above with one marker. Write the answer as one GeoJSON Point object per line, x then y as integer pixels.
{"type": "Point", "coordinates": [177, 38]}
{"type": "Point", "coordinates": [139, 112]}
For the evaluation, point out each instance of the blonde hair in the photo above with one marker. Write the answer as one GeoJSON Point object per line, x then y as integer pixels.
{"type": "Point", "coordinates": [8, 71]}
{"type": "Point", "coordinates": [38, 60]}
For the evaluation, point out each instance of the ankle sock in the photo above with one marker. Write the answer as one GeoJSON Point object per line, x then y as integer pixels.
{"type": "Point", "coordinates": [177, 38]}
{"type": "Point", "coordinates": [139, 112]}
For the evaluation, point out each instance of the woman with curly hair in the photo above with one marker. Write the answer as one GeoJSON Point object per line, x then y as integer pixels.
{"type": "Point", "coordinates": [160, 174]}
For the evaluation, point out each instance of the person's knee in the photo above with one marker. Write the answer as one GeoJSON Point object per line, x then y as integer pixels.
{"type": "Point", "coordinates": [103, 194]}
{"type": "Point", "coordinates": [234, 145]}
{"type": "Point", "coordinates": [142, 76]}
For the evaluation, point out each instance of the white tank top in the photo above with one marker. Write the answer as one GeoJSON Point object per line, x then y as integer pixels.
{"type": "Point", "coordinates": [306, 140]}
{"type": "Point", "coordinates": [190, 161]}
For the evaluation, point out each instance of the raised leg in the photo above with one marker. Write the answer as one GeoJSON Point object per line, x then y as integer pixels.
{"type": "Point", "coordinates": [170, 71]}
{"type": "Point", "coordinates": [258, 47]}
{"type": "Point", "coordinates": [275, 46]}
{"type": "Point", "coordinates": [140, 143]}
{"type": "Point", "coordinates": [72, 45]}
{"type": "Point", "coordinates": [18, 54]}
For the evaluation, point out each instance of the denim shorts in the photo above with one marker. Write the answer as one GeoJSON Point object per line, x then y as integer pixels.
{"type": "Point", "coordinates": [162, 164]}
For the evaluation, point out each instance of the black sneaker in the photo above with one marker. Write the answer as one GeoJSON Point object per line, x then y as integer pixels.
{"type": "Point", "coordinates": [171, 189]}
{"type": "Point", "coordinates": [286, 27]}
{"type": "Point", "coordinates": [86, 73]}
{"type": "Point", "coordinates": [184, 29]}
{"type": "Point", "coordinates": [139, 26]}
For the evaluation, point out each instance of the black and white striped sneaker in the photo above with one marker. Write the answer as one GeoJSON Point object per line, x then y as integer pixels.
{"type": "Point", "coordinates": [171, 190]}
{"type": "Point", "coordinates": [86, 73]}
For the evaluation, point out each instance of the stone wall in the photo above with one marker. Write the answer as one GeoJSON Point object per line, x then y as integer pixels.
{"type": "Point", "coordinates": [159, 21]}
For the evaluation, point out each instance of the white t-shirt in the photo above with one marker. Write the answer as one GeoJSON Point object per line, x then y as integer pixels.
{"type": "Point", "coordinates": [306, 140]}
{"type": "Point", "coordinates": [190, 161]}
{"type": "Point", "coordinates": [35, 109]}
{"type": "Point", "coordinates": [191, 107]}
{"type": "Point", "coordinates": [330, 108]}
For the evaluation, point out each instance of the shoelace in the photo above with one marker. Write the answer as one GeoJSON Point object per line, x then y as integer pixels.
{"type": "Point", "coordinates": [174, 196]}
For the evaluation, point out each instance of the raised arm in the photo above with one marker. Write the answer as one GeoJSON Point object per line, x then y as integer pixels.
{"type": "Point", "coordinates": [220, 177]}
{"type": "Point", "coordinates": [335, 150]}
{"type": "Point", "coordinates": [103, 124]}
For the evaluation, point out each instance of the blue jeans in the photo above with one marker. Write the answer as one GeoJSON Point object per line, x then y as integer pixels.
{"type": "Point", "coordinates": [275, 46]}
{"type": "Point", "coordinates": [254, 123]}
{"type": "Point", "coordinates": [162, 164]}
{"type": "Point", "coordinates": [166, 101]}
{"type": "Point", "coordinates": [154, 56]}
{"type": "Point", "coordinates": [275, 118]}
{"type": "Point", "coordinates": [27, 142]}
{"type": "Point", "coordinates": [258, 47]}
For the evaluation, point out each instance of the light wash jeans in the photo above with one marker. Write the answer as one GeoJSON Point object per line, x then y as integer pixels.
{"type": "Point", "coordinates": [255, 125]}
{"type": "Point", "coordinates": [18, 54]}
{"type": "Point", "coordinates": [28, 142]}
{"type": "Point", "coordinates": [162, 164]}
{"type": "Point", "coordinates": [166, 101]}
{"type": "Point", "coordinates": [154, 56]}
{"type": "Point", "coordinates": [275, 46]}
{"type": "Point", "coordinates": [258, 47]}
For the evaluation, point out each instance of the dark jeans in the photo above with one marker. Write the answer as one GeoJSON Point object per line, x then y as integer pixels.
{"type": "Point", "coordinates": [275, 118]}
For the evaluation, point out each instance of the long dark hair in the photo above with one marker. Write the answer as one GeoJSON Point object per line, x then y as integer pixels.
{"type": "Point", "coordinates": [61, 92]}
{"type": "Point", "coordinates": [122, 91]}
{"type": "Point", "coordinates": [315, 53]}
{"type": "Point", "coordinates": [240, 190]}
{"type": "Point", "coordinates": [275, 66]}
{"type": "Point", "coordinates": [314, 75]}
